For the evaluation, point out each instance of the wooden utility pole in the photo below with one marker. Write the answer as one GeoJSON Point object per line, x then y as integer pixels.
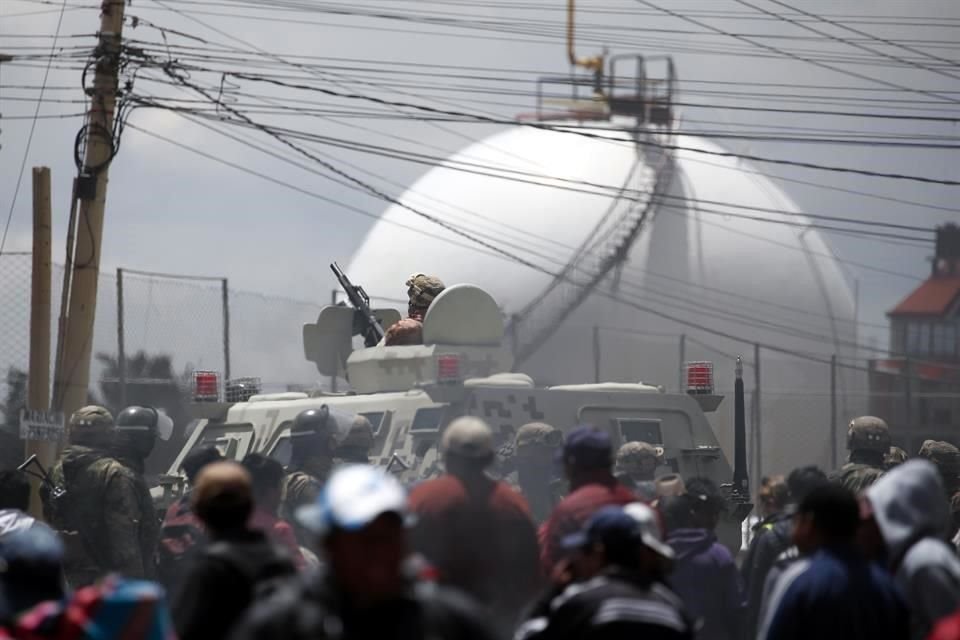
{"type": "Point", "coordinates": [38, 378]}
{"type": "Point", "coordinates": [73, 363]}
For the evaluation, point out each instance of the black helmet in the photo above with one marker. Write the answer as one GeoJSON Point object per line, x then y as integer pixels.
{"type": "Point", "coordinates": [311, 422]}
{"type": "Point", "coordinates": [312, 435]}
{"type": "Point", "coordinates": [139, 427]}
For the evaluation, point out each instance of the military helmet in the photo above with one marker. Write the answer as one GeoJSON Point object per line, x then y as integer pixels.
{"type": "Point", "coordinates": [146, 420]}
{"type": "Point", "coordinates": [92, 418]}
{"type": "Point", "coordinates": [630, 456]}
{"type": "Point", "coordinates": [422, 289]}
{"type": "Point", "coordinates": [538, 434]}
{"type": "Point", "coordinates": [311, 422]}
{"type": "Point", "coordinates": [468, 437]}
{"type": "Point", "coordinates": [359, 435]}
{"type": "Point", "coordinates": [943, 454]}
{"type": "Point", "coordinates": [868, 433]}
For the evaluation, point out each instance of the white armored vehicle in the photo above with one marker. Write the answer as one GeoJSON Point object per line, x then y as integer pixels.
{"type": "Point", "coordinates": [410, 393]}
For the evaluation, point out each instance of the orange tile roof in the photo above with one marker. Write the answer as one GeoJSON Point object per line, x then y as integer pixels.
{"type": "Point", "coordinates": [933, 298]}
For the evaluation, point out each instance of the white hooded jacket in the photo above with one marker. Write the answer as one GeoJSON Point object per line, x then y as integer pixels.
{"type": "Point", "coordinates": [910, 507]}
{"type": "Point", "coordinates": [14, 520]}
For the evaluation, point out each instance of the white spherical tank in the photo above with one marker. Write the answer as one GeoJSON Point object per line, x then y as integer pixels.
{"type": "Point", "coordinates": [703, 267]}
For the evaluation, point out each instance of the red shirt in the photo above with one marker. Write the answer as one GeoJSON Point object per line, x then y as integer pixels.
{"type": "Point", "coordinates": [280, 532]}
{"type": "Point", "coordinates": [947, 629]}
{"type": "Point", "coordinates": [573, 512]}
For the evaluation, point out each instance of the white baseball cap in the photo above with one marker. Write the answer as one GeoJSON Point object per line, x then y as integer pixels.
{"type": "Point", "coordinates": [353, 497]}
{"type": "Point", "coordinates": [649, 525]}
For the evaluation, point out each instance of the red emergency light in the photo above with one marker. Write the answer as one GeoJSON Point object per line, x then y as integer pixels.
{"type": "Point", "coordinates": [448, 367]}
{"type": "Point", "coordinates": [699, 377]}
{"type": "Point", "coordinates": [206, 386]}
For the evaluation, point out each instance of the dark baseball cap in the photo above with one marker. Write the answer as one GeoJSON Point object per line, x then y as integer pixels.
{"type": "Point", "coordinates": [31, 562]}
{"type": "Point", "coordinates": [588, 447]}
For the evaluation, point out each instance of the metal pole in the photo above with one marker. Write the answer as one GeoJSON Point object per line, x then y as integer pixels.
{"type": "Point", "coordinates": [908, 392]}
{"type": "Point", "coordinates": [38, 378]}
{"type": "Point", "coordinates": [833, 411]}
{"type": "Point", "coordinates": [336, 356]}
{"type": "Point", "coordinates": [683, 359]}
{"type": "Point", "coordinates": [121, 346]}
{"type": "Point", "coordinates": [596, 353]}
{"type": "Point", "coordinates": [92, 189]}
{"type": "Point", "coordinates": [225, 288]}
{"type": "Point", "coordinates": [759, 399]}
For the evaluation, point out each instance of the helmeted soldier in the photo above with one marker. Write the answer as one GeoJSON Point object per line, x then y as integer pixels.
{"type": "Point", "coordinates": [946, 457]}
{"type": "Point", "coordinates": [421, 291]}
{"type": "Point", "coordinates": [895, 457]}
{"type": "Point", "coordinates": [534, 455]}
{"type": "Point", "coordinates": [636, 463]}
{"type": "Point", "coordinates": [105, 516]}
{"type": "Point", "coordinates": [355, 447]}
{"type": "Point", "coordinates": [868, 441]}
{"type": "Point", "coordinates": [313, 439]}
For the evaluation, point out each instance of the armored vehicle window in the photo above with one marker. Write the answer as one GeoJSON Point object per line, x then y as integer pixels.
{"type": "Point", "coordinates": [376, 419]}
{"type": "Point", "coordinates": [282, 451]}
{"type": "Point", "coordinates": [427, 420]}
{"type": "Point", "coordinates": [644, 430]}
{"type": "Point", "coordinates": [232, 440]}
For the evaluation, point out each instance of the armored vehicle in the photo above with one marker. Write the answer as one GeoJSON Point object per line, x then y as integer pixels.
{"type": "Point", "coordinates": [410, 393]}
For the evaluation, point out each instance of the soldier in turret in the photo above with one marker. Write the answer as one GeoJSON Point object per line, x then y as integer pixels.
{"type": "Point", "coordinates": [421, 291]}
{"type": "Point", "coordinates": [868, 440]}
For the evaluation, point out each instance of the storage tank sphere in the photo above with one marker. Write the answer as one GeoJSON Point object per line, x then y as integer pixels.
{"type": "Point", "coordinates": [723, 282]}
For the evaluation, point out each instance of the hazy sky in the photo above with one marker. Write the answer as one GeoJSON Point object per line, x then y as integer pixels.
{"type": "Point", "coordinates": [171, 210]}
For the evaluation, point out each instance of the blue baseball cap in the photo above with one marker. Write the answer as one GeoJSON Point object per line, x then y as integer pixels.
{"type": "Point", "coordinates": [588, 447]}
{"type": "Point", "coordinates": [353, 497]}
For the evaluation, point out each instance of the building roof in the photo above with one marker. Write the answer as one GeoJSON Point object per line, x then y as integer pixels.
{"type": "Point", "coordinates": [934, 297]}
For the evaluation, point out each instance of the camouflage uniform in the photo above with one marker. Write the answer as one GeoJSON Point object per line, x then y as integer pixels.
{"type": "Point", "coordinates": [868, 440]}
{"type": "Point", "coordinates": [947, 459]}
{"type": "Point", "coordinates": [421, 291]}
{"type": "Point", "coordinates": [533, 460]}
{"type": "Point", "coordinates": [896, 456]}
{"type": "Point", "coordinates": [106, 517]}
{"type": "Point", "coordinates": [636, 463]}
{"type": "Point", "coordinates": [313, 440]}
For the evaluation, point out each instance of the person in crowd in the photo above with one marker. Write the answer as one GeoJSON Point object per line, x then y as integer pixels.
{"type": "Point", "coordinates": [946, 457]}
{"type": "Point", "coordinates": [477, 532]}
{"type": "Point", "coordinates": [31, 571]}
{"type": "Point", "coordinates": [705, 573]}
{"type": "Point", "coordinates": [267, 476]}
{"type": "Point", "coordinates": [181, 532]}
{"type": "Point", "coordinates": [224, 577]}
{"type": "Point", "coordinates": [14, 503]}
{"type": "Point", "coordinates": [636, 463]}
{"type": "Point", "coordinates": [587, 458]}
{"type": "Point", "coordinates": [534, 460]}
{"type": "Point", "coordinates": [626, 597]}
{"type": "Point", "coordinates": [313, 442]}
{"type": "Point", "coordinates": [868, 441]}
{"type": "Point", "coordinates": [773, 540]}
{"type": "Point", "coordinates": [834, 591]}
{"type": "Point", "coordinates": [104, 513]}
{"type": "Point", "coordinates": [366, 589]}
{"type": "Point", "coordinates": [355, 446]}
{"type": "Point", "coordinates": [947, 628]}
{"type": "Point", "coordinates": [905, 520]}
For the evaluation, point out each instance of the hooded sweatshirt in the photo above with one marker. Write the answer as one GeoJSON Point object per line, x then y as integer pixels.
{"type": "Point", "coordinates": [14, 520]}
{"type": "Point", "coordinates": [912, 513]}
{"type": "Point", "coordinates": [705, 577]}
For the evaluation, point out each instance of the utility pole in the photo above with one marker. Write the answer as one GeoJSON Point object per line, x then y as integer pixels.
{"type": "Point", "coordinates": [758, 469]}
{"type": "Point", "coordinates": [38, 378]}
{"type": "Point", "coordinates": [73, 362]}
{"type": "Point", "coordinates": [596, 353]}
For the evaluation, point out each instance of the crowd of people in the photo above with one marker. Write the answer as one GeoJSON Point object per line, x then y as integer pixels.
{"type": "Point", "coordinates": [564, 538]}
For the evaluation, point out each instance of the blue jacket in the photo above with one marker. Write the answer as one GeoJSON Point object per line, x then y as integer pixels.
{"type": "Point", "coordinates": [835, 594]}
{"type": "Point", "coordinates": [705, 577]}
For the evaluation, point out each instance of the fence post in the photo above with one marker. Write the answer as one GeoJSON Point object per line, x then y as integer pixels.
{"type": "Point", "coordinates": [225, 287]}
{"type": "Point", "coordinates": [121, 347]}
{"type": "Point", "coordinates": [596, 353]}
{"type": "Point", "coordinates": [833, 411]}
{"type": "Point", "coordinates": [683, 359]}
{"type": "Point", "coordinates": [758, 430]}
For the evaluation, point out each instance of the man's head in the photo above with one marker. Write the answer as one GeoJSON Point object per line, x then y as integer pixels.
{"type": "Point", "coordinates": [267, 477]}
{"type": "Point", "coordinates": [14, 490]}
{"type": "Point", "coordinates": [868, 440]}
{"type": "Point", "coordinates": [31, 569]}
{"type": "Point", "coordinates": [773, 495]}
{"type": "Point", "coordinates": [360, 520]}
{"type": "Point", "coordinates": [626, 537]}
{"type": "Point", "coordinates": [313, 439]}
{"type": "Point", "coordinates": [197, 459]}
{"type": "Point", "coordinates": [467, 446]}
{"type": "Point", "coordinates": [586, 450]}
{"type": "Point", "coordinates": [91, 426]}
{"type": "Point", "coordinates": [137, 430]}
{"type": "Point", "coordinates": [355, 446]}
{"type": "Point", "coordinates": [946, 458]}
{"type": "Point", "coordinates": [421, 291]}
{"type": "Point", "coordinates": [828, 516]}
{"type": "Point", "coordinates": [706, 502]}
{"type": "Point", "coordinates": [638, 460]}
{"type": "Point", "coordinates": [223, 497]}
{"type": "Point", "coordinates": [803, 480]}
